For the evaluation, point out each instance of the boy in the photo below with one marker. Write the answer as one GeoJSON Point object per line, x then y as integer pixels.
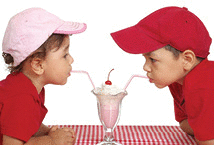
{"type": "Point", "coordinates": [175, 44]}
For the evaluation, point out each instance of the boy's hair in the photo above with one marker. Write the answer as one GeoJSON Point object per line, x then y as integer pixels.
{"type": "Point", "coordinates": [53, 42]}
{"type": "Point", "coordinates": [177, 52]}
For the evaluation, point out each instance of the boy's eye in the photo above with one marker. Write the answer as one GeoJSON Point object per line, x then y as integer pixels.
{"type": "Point", "coordinates": [153, 60]}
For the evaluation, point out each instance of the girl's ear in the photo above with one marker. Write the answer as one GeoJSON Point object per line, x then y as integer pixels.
{"type": "Point", "coordinates": [37, 66]}
{"type": "Point", "coordinates": [189, 59]}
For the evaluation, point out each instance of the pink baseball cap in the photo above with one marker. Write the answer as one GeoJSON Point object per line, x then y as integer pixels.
{"type": "Point", "coordinates": [29, 29]}
{"type": "Point", "coordinates": [173, 26]}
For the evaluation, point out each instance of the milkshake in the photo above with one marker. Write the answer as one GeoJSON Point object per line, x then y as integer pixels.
{"type": "Point", "coordinates": [109, 99]}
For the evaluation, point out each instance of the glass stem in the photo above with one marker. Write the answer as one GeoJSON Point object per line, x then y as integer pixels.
{"type": "Point", "coordinates": [109, 137]}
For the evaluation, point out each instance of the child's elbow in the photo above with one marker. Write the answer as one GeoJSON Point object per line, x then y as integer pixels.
{"type": "Point", "coordinates": [186, 127]}
{"type": "Point", "coordinates": [207, 142]}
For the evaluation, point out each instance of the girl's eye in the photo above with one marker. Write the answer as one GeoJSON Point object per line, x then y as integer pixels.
{"type": "Point", "coordinates": [153, 60]}
{"type": "Point", "coordinates": [65, 55]}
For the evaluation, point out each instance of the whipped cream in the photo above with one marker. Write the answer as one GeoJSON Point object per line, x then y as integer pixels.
{"type": "Point", "coordinates": [108, 90]}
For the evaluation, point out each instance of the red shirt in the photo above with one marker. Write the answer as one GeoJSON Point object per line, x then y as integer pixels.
{"type": "Point", "coordinates": [22, 109]}
{"type": "Point", "coordinates": [194, 100]}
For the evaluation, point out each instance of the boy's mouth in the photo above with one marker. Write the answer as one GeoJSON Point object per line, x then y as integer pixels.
{"type": "Point", "coordinates": [150, 79]}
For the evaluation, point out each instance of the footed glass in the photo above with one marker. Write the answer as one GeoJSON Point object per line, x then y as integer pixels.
{"type": "Point", "coordinates": [109, 108]}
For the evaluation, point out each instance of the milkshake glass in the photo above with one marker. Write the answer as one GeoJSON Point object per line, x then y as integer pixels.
{"type": "Point", "coordinates": [109, 108]}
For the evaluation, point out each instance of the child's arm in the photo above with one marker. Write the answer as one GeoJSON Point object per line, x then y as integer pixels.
{"type": "Point", "coordinates": [43, 130]}
{"type": "Point", "coordinates": [208, 142]}
{"type": "Point", "coordinates": [55, 137]}
{"type": "Point", "coordinates": [186, 127]}
{"type": "Point", "coordinates": [7, 140]}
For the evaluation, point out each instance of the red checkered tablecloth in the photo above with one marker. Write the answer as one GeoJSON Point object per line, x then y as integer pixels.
{"type": "Point", "coordinates": [133, 135]}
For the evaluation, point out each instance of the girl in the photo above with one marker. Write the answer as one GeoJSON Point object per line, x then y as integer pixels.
{"type": "Point", "coordinates": [36, 48]}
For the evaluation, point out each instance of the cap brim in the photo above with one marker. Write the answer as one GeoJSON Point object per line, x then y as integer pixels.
{"type": "Point", "coordinates": [71, 28]}
{"type": "Point", "coordinates": [134, 41]}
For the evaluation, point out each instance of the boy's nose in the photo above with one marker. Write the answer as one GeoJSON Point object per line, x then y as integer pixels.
{"type": "Point", "coordinates": [146, 67]}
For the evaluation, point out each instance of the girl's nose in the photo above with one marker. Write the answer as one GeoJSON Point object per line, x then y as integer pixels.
{"type": "Point", "coordinates": [71, 60]}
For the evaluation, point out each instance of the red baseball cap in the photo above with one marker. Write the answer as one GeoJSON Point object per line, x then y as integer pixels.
{"type": "Point", "coordinates": [173, 26]}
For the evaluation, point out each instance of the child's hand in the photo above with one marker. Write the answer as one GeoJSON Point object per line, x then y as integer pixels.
{"type": "Point", "coordinates": [65, 136]}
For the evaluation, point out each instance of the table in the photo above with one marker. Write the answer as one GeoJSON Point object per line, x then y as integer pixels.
{"type": "Point", "coordinates": [133, 135]}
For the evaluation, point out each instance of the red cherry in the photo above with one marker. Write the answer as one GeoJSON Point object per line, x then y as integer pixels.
{"type": "Point", "coordinates": [109, 82]}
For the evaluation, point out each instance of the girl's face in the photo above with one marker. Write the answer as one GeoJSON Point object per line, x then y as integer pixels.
{"type": "Point", "coordinates": [163, 68]}
{"type": "Point", "coordinates": [57, 64]}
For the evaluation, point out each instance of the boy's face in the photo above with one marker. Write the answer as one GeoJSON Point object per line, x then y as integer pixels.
{"type": "Point", "coordinates": [163, 68]}
{"type": "Point", "coordinates": [57, 64]}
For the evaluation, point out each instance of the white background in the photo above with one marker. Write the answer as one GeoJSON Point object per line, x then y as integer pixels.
{"type": "Point", "coordinates": [95, 51]}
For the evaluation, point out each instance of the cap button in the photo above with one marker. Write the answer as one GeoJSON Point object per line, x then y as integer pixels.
{"type": "Point", "coordinates": [185, 8]}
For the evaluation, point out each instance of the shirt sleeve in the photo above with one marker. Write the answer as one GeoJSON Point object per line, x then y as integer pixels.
{"type": "Point", "coordinates": [180, 114]}
{"type": "Point", "coordinates": [179, 102]}
{"type": "Point", "coordinates": [200, 110]}
{"type": "Point", "coordinates": [19, 117]}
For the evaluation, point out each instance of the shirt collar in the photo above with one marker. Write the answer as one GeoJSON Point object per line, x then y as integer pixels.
{"type": "Point", "coordinates": [29, 87]}
{"type": "Point", "coordinates": [195, 71]}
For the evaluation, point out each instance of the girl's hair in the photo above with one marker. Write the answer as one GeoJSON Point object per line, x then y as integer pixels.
{"type": "Point", "coordinates": [53, 42]}
{"type": "Point", "coordinates": [177, 52]}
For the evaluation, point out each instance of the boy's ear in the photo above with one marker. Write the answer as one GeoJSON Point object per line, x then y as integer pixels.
{"type": "Point", "coordinates": [37, 66]}
{"type": "Point", "coordinates": [189, 59]}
